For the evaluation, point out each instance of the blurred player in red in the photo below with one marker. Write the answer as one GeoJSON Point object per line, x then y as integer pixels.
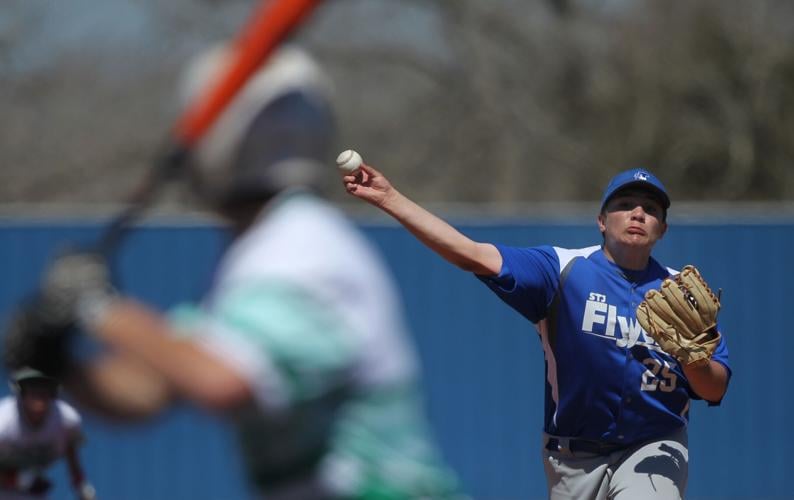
{"type": "Point", "coordinates": [36, 430]}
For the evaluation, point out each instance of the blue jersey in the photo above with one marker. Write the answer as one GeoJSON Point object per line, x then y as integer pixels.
{"type": "Point", "coordinates": [606, 378]}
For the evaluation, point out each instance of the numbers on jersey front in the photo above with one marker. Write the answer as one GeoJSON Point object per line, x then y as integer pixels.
{"type": "Point", "coordinates": [657, 376]}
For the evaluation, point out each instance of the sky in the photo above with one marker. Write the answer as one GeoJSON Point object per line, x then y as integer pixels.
{"type": "Point", "coordinates": [34, 34]}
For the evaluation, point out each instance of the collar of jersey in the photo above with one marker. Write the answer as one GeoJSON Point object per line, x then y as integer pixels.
{"type": "Point", "coordinates": [634, 277]}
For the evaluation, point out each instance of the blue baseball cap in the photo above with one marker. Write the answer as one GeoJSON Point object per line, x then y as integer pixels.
{"type": "Point", "coordinates": [638, 178]}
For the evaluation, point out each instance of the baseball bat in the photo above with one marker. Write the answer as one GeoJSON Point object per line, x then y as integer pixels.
{"type": "Point", "coordinates": [270, 23]}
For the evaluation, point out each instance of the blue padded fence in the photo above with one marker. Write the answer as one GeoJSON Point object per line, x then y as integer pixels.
{"type": "Point", "coordinates": [482, 363]}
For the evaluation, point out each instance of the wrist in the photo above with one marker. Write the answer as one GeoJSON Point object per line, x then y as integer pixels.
{"type": "Point", "coordinates": [701, 365]}
{"type": "Point", "coordinates": [391, 202]}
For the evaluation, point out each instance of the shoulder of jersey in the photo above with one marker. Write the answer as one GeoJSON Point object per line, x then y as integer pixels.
{"type": "Point", "coordinates": [70, 415]}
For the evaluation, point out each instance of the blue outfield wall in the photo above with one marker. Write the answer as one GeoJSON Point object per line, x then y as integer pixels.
{"type": "Point", "coordinates": [483, 366]}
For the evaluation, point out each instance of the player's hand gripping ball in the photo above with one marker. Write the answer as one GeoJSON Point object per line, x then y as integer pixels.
{"type": "Point", "coordinates": [681, 316]}
{"type": "Point", "coordinates": [348, 161]}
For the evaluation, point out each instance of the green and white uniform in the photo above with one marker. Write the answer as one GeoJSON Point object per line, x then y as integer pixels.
{"type": "Point", "coordinates": [308, 315]}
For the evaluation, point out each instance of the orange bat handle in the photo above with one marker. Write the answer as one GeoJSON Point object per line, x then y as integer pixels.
{"type": "Point", "coordinates": [267, 28]}
{"type": "Point", "coordinates": [269, 25]}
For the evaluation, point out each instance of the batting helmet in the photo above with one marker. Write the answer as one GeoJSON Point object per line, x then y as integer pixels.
{"type": "Point", "coordinates": [277, 132]}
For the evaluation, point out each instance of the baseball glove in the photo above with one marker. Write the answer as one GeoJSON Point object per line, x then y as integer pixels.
{"type": "Point", "coordinates": [681, 316]}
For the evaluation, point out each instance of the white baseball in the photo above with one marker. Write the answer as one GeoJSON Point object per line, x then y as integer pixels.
{"type": "Point", "coordinates": [348, 160]}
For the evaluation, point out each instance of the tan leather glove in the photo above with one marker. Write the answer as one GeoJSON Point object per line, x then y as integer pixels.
{"type": "Point", "coordinates": [681, 316]}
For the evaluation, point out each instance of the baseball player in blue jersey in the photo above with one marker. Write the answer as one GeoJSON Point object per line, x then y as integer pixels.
{"type": "Point", "coordinates": [616, 404]}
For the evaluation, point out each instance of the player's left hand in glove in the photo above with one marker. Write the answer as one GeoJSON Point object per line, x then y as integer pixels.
{"type": "Point", "coordinates": [681, 316]}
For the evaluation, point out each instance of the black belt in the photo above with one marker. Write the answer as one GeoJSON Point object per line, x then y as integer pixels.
{"type": "Point", "coordinates": [585, 445]}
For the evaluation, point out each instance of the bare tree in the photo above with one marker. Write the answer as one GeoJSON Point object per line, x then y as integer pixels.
{"type": "Point", "coordinates": [503, 101]}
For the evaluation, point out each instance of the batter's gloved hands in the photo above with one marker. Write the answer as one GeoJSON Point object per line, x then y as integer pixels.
{"type": "Point", "coordinates": [77, 287]}
{"type": "Point", "coordinates": [681, 316]}
{"type": "Point", "coordinates": [75, 291]}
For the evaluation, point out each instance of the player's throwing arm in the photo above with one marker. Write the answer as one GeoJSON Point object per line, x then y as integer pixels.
{"type": "Point", "coordinates": [368, 184]}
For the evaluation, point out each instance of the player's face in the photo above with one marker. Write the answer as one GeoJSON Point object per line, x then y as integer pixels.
{"type": "Point", "coordinates": [36, 400]}
{"type": "Point", "coordinates": [634, 219]}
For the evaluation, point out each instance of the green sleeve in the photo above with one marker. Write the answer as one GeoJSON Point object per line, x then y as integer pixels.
{"type": "Point", "coordinates": [305, 343]}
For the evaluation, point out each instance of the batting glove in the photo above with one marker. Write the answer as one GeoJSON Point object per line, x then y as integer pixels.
{"type": "Point", "coordinates": [77, 287]}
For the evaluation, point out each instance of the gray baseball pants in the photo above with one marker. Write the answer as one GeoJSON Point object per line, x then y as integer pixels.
{"type": "Point", "coordinates": [656, 469]}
